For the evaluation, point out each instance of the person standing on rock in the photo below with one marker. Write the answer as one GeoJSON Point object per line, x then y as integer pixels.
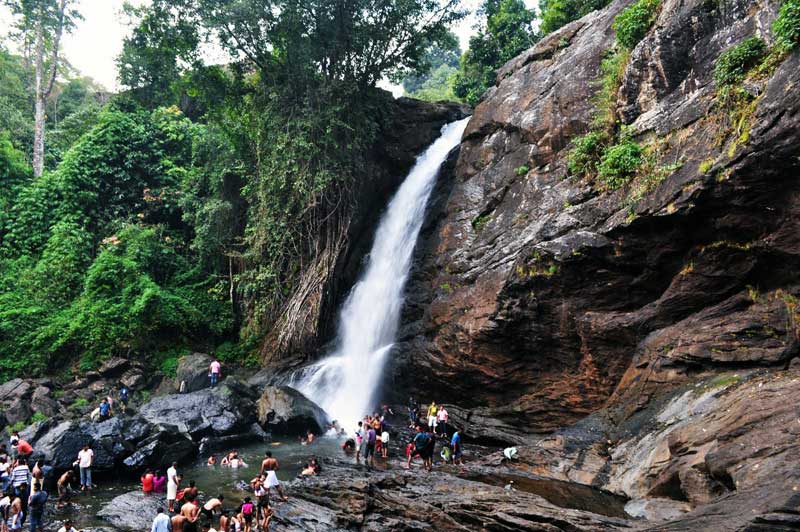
{"type": "Point", "coordinates": [85, 461]}
{"type": "Point", "coordinates": [172, 487]}
{"type": "Point", "coordinates": [213, 372]}
{"type": "Point", "coordinates": [270, 466]}
{"type": "Point", "coordinates": [12, 442]}
{"type": "Point", "coordinates": [161, 522]}
{"type": "Point", "coordinates": [369, 450]}
{"type": "Point", "coordinates": [24, 449]}
{"type": "Point", "coordinates": [455, 446]}
{"type": "Point", "coordinates": [359, 440]}
{"type": "Point", "coordinates": [432, 416]}
{"type": "Point", "coordinates": [441, 418]}
{"type": "Point", "coordinates": [20, 476]}
{"type": "Point", "coordinates": [123, 398]}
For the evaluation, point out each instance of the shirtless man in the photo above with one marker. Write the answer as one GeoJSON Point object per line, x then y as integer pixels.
{"type": "Point", "coordinates": [191, 512]}
{"type": "Point", "coordinates": [64, 488]}
{"type": "Point", "coordinates": [212, 505]}
{"type": "Point", "coordinates": [224, 521]}
{"type": "Point", "coordinates": [178, 520]}
{"type": "Point", "coordinates": [270, 466]}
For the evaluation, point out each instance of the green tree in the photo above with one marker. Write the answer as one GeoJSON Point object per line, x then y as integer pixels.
{"type": "Point", "coordinates": [161, 48]}
{"type": "Point", "coordinates": [507, 32]}
{"type": "Point", "coordinates": [558, 13]}
{"type": "Point", "coordinates": [437, 56]}
{"type": "Point", "coordinates": [40, 25]}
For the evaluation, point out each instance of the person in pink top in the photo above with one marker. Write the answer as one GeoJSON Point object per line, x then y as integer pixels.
{"type": "Point", "coordinates": [213, 372]}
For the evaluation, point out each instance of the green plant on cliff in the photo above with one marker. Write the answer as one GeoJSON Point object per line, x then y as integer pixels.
{"type": "Point", "coordinates": [558, 13]}
{"type": "Point", "coordinates": [586, 153]}
{"type": "Point", "coordinates": [633, 22]}
{"type": "Point", "coordinates": [734, 63]}
{"type": "Point", "coordinates": [619, 163]}
{"type": "Point", "coordinates": [787, 25]}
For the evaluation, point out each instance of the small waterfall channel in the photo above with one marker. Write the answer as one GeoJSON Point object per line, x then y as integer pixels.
{"type": "Point", "coordinates": [344, 383]}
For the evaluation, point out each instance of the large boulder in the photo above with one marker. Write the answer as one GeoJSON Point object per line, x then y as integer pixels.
{"type": "Point", "coordinates": [161, 450]}
{"type": "Point", "coordinates": [114, 367]}
{"type": "Point", "coordinates": [284, 410]}
{"type": "Point", "coordinates": [18, 410]}
{"type": "Point", "coordinates": [226, 409]}
{"type": "Point", "coordinates": [134, 510]}
{"type": "Point", "coordinates": [193, 370]}
{"type": "Point", "coordinates": [43, 403]}
{"type": "Point", "coordinates": [14, 389]}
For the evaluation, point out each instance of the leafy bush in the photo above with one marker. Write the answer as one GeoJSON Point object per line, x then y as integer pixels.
{"type": "Point", "coordinates": [733, 64]}
{"type": "Point", "coordinates": [558, 13]}
{"type": "Point", "coordinates": [787, 26]}
{"type": "Point", "coordinates": [522, 170]}
{"type": "Point", "coordinates": [633, 23]}
{"type": "Point", "coordinates": [37, 417]}
{"type": "Point", "coordinates": [80, 402]}
{"type": "Point", "coordinates": [585, 154]}
{"type": "Point", "coordinates": [169, 366]}
{"type": "Point", "coordinates": [619, 163]}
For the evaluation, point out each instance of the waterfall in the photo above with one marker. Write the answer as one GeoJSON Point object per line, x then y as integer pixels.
{"type": "Point", "coordinates": [345, 382]}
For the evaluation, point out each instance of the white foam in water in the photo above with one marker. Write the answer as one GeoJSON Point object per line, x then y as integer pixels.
{"type": "Point", "coordinates": [345, 382]}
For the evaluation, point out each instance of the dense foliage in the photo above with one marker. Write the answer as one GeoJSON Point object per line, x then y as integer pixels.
{"type": "Point", "coordinates": [434, 81]}
{"type": "Point", "coordinates": [558, 13]}
{"type": "Point", "coordinates": [633, 22]}
{"type": "Point", "coordinates": [787, 25]}
{"type": "Point", "coordinates": [508, 30]}
{"type": "Point", "coordinates": [191, 204]}
{"type": "Point", "coordinates": [733, 63]}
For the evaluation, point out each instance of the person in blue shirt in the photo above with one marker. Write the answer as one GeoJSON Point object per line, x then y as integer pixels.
{"type": "Point", "coordinates": [105, 409]}
{"type": "Point", "coordinates": [123, 398]}
{"type": "Point", "coordinates": [455, 446]}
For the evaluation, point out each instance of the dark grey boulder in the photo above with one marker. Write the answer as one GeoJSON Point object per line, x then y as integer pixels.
{"type": "Point", "coordinates": [43, 403]}
{"type": "Point", "coordinates": [18, 410]}
{"type": "Point", "coordinates": [114, 367]}
{"type": "Point", "coordinates": [160, 450]}
{"type": "Point", "coordinates": [193, 370]}
{"type": "Point", "coordinates": [134, 510]}
{"type": "Point", "coordinates": [14, 389]}
{"type": "Point", "coordinates": [226, 409]}
{"type": "Point", "coordinates": [284, 410]}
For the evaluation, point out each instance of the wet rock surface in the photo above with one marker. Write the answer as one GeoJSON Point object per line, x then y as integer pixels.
{"type": "Point", "coordinates": [193, 370]}
{"type": "Point", "coordinates": [284, 410]}
{"type": "Point", "coordinates": [132, 511]}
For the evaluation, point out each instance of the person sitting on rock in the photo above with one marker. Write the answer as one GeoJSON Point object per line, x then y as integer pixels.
{"type": "Point", "coordinates": [24, 449]}
{"type": "Point", "coordinates": [123, 398]}
{"type": "Point", "coordinates": [69, 528]}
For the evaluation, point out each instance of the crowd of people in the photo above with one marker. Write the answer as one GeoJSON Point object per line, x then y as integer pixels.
{"type": "Point", "coordinates": [187, 511]}
{"type": "Point", "coordinates": [23, 496]}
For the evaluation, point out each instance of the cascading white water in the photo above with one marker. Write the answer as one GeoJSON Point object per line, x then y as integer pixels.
{"type": "Point", "coordinates": [344, 383]}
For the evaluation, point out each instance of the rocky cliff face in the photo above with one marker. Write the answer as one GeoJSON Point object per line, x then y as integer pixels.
{"type": "Point", "coordinates": [540, 297]}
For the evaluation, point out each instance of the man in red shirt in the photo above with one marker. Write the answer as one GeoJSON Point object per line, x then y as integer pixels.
{"type": "Point", "coordinates": [24, 449]}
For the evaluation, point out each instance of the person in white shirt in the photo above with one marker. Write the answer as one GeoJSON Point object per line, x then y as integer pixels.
{"type": "Point", "coordinates": [172, 486]}
{"type": "Point", "coordinates": [67, 527]}
{"type": "Point", "coordinates": [85, 461]}
{"type": "Point", "coordinates": [161, 522]}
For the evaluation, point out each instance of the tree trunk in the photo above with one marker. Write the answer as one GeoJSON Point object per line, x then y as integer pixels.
{"type": "Point", "coordinates": [38, 120]}
{"type": "Point", "coordinates": [43, 89]}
